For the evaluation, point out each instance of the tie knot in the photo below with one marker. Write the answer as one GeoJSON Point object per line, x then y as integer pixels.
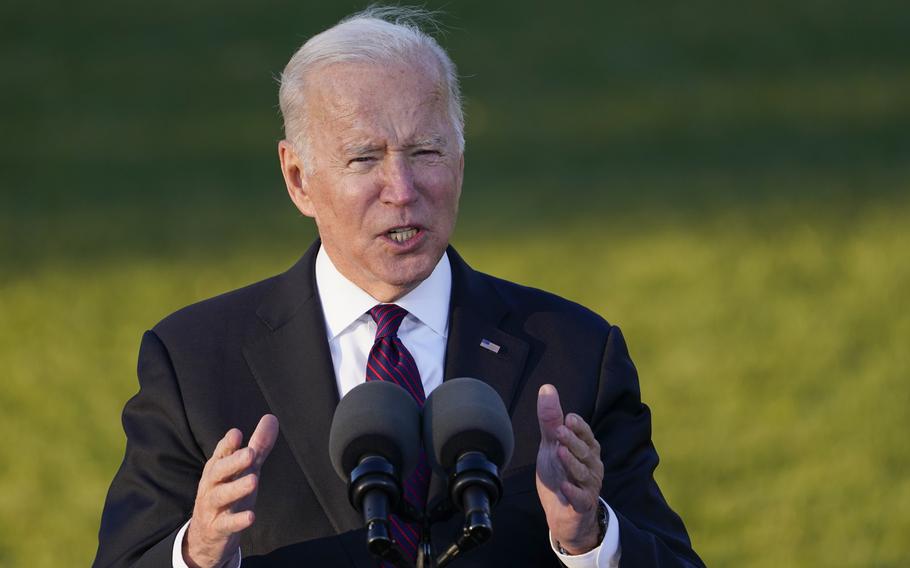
{"type": "Point", "coordinates": [387, 317]}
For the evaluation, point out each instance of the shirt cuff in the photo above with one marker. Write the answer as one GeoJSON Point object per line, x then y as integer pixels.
{"type": "Point", "coordinates": [177, 555]}
{"type": "Point", "coordinates": [604, 556]}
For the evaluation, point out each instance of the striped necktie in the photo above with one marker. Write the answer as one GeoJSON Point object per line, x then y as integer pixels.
{"type": "Point", "coordinates": [391, 361]}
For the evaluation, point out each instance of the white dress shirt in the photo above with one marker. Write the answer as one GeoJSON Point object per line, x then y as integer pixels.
{"type": "Point", "coordinates": [351, 332]}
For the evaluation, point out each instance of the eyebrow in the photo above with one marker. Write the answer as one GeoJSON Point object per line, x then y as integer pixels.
{"type": "Point", "coordinates": [432, 141]}
{"type": "Point", "coordinates": [360, 148]}
{"type": "Point", "coordinates": [357, 149]}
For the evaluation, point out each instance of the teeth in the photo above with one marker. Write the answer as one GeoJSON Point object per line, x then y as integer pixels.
{"type": "Point", "coordinates": [401, 235]}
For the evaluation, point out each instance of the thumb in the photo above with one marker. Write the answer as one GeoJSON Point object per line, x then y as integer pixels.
{"type": "Point", "coordinates": [549, 412]}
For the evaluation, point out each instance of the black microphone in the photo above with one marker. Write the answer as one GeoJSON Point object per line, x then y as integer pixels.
{"type": "Point", "coordinates": [468, 437]}
{"type": "Point", "coordinates": [374, 443]}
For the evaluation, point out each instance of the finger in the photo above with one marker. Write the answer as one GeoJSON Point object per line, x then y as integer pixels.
{"type": "Point", "coordinates": [232, 466]}
{"type": "Point", "coordinates": [576, 471]}
{"type": "Point", "coordinates": [263, 438]}
{"type": "Point", "coordinates": [228, 444]}
{"type": "Point", "coordinates": [226, 494]}
{"type": "Point", "coordinates": [583, 430]}
{"type": "Point", "coordinates": [230, 523]}
{"type": "Point", "coordinates": [576, 445]}
{"type": "Point", "coordinates": [549, 412]}
{"type": "Point", "coordinates": [582, 500]}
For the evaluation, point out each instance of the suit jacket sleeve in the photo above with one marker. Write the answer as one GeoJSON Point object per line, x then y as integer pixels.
{"type": "Point", "coordinates": [153, 493]}
{"type": "Point", "coordinates": [650, 533]}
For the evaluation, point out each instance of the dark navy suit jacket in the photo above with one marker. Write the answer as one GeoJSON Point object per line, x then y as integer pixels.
{"type": "Point", "coordinates": [226, 361]}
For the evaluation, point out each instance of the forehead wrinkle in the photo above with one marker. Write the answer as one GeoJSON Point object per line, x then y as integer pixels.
{"type": "Point", "coordinates": [358, 138]}
{"type": "Point", "coordinates": [423, 125]}
{"type": "Point", "coordinates": [359, 147]}
{"type": "Point", "coordinates": [351, 136]}
{"type": "Point", "coordinates": [359, 118]}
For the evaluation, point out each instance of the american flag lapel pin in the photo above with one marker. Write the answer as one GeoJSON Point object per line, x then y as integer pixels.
{"type": "Point", "coordinates": [489, 345]}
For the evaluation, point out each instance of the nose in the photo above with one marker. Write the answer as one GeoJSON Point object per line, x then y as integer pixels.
{"type": "Point", "coordinates": [399, 187]}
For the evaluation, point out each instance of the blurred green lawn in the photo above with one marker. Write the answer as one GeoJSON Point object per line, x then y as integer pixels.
{"type": "Point", "coordinates": [726, 181]}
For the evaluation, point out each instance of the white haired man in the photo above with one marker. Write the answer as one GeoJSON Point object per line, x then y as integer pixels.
{"type": "Point", "coordinates": [374, 154]}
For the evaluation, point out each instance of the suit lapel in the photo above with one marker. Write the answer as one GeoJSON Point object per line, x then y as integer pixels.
{"type": "Point", "coordinates": [476, 314]}
{"type": "Point", "coordinates": [293, 366]}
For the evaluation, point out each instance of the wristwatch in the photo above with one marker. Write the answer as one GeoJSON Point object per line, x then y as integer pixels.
{"type": "Point", "coordinates": [603, 520]}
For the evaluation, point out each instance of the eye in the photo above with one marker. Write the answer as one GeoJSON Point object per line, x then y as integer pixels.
{"type": "Point", "coordinates": [427, 152]}
{"type": "Point", "coordinates": [361, 160]}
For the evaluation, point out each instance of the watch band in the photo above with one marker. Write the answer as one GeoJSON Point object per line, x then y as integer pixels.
{"type": "Point", "coordinates": [603, 520]}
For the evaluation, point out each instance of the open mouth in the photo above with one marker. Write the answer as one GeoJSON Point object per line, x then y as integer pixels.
{"type": "Point", "coordinates": [403, 234]}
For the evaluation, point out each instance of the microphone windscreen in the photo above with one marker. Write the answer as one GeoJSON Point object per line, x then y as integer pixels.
{"type": "Point", "coordinates": [464, 415]}
{"type": "Point", "coordinates": [375, 418]}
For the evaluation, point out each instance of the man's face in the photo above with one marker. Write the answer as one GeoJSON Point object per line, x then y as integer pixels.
{"type": "Point", "coordinates": [383, 175]}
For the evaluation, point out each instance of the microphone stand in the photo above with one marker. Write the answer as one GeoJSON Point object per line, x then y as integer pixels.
{"type": "Point", "coordinates": [425, 548]}
{"type": "Point", "coordinates": [375, 488]}
{"type": "Point", "coordinates": [475, 485]}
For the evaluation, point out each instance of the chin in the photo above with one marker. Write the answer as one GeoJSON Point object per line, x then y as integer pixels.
{"type": "Point", "coordinates": [411, 272]}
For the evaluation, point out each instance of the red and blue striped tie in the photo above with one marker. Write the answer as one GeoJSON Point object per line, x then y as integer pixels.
{"type": "Point", "coordinates": [391, 361]}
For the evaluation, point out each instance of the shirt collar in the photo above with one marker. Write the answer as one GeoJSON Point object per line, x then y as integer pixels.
{"type": "Point", "coordinates": [343, 302]}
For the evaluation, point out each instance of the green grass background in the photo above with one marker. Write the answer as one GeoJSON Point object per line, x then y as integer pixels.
{"type": "Point", "coordinates": [728, 181]}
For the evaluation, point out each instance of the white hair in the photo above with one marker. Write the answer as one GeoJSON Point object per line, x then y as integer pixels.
{"type": "Point", "coordinates": [376, 35]}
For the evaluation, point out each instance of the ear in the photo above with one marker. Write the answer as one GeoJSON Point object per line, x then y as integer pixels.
{"type": "Point", "coordinates": [460, 173]}
{"type": "Point", "coordinates": [295, 177]}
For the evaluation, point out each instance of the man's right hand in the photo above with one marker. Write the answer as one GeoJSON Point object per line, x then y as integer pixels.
{"type": "Point", "coordinates": [227, 495]}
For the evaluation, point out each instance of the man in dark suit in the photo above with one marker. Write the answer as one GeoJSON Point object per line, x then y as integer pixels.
{"type": "Point", "coordinates": [374, 154]}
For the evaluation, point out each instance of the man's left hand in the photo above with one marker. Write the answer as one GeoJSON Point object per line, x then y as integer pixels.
{"type": "Point", "coordinates": [569, 474]}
